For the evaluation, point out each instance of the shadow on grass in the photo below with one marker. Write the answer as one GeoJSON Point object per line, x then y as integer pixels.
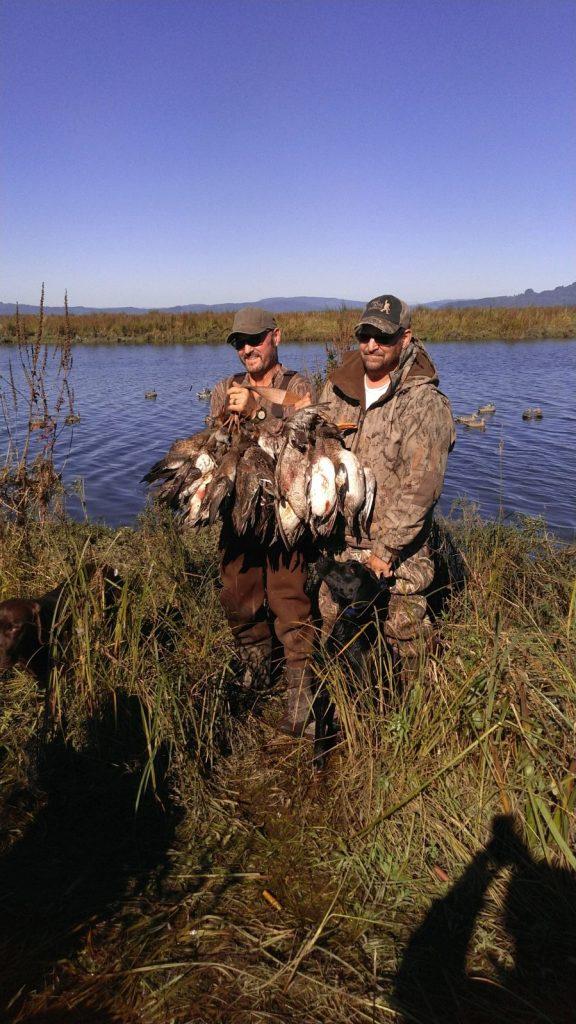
{"type": "Point", "coordinates": [433, 985]}
{"type": "Point", "coordinates": [83, 852]}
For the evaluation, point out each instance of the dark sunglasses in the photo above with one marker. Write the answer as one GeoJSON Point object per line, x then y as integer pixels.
{"type": "Point", "coordinates": [254, 340]}
{"type": "Point", "coordinates": [380, 339]}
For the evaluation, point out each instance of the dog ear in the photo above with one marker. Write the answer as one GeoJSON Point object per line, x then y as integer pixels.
{"type": "Point", "coordinates": [35, 609]}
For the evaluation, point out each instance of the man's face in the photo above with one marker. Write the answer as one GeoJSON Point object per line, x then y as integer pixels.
{"type": "Point", "coordinates": [381, 352]}
{"type": "Point", "coordinates": [258, 352]}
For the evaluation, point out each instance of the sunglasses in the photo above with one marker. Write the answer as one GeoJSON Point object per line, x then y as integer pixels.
{"type": "Point", "coordinates": [380, 339]}
{"type": "Point", "coordinates": [254, 340]}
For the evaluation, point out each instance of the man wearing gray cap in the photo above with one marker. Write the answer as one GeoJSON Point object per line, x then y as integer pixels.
{"type": "Point", "coordinates": [262, 582]}
{"type": "Point", "coordinates": [403, 430]}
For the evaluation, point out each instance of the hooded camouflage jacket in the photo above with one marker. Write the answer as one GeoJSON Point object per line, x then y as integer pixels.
{"type": "Point", "coordinates": [404, 437]}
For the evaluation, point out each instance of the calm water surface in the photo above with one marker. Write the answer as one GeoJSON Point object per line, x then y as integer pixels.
{"type": "Point", "coordinates": [515, 465]}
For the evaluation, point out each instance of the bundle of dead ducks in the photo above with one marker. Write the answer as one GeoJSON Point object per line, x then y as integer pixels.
{"type": "Point", "coordinates": [269, 484]}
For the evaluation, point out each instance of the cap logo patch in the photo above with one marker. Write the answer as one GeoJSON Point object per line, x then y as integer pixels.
{"type": "Point", "coordinates": [382, 307]}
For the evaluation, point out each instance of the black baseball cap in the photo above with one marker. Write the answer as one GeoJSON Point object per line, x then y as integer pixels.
{"type": "Point", "coordinates": [386, 313]}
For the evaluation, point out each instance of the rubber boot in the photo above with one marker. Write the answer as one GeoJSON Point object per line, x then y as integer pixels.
{"type": "Point", "coordinates": [298, 717]}
{"type": "Point", "coordinates": [255, 663]}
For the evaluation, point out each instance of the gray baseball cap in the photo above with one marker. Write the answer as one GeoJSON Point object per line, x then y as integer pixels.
{"type": "Point", "coordinates": [386, 313]}
{"type": "Point", "coordinates": [251, 320]}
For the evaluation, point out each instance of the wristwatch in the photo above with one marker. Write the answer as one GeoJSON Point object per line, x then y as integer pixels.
{"type": "Point", "coordinates": [261, 414]}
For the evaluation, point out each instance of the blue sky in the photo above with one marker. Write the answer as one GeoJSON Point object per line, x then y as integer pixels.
{"type": "Point", "coordinates": [157, 152]}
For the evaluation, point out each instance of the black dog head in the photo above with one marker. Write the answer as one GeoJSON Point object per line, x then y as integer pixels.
{"type": "Point", "coordinates": [350, 583]}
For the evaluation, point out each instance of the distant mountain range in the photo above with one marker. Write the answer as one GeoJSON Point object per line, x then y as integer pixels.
{"type": "Point", "coordinates": [296, 304]}
{"type": "Point", "coordinates": [563, 295]}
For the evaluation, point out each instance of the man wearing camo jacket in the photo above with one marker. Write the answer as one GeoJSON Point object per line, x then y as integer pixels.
{"type": "Point", "coordinates": [403, 430]}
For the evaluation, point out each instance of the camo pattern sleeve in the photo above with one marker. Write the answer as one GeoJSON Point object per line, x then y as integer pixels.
{"type": "Point", "coordinates": [411, 451]}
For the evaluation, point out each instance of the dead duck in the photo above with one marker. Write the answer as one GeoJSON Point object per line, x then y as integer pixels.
{"type": "Point", "coordinates": [489, 408]}
{"type": "Point", "coordinates": [311, 481]}
{"type": "Point", "coordinates": [150, 394]}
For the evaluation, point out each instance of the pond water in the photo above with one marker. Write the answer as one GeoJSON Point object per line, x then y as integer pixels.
{"type": "Point", "coordinates": [513, 466]}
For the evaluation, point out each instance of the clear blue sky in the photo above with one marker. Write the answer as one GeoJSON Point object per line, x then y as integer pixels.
{"type": "Point", "coordinates": [157, 152]}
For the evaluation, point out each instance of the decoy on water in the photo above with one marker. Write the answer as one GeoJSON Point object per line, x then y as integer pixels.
{"type": "Point", "coordinates": [471, 420]}
{"type": "Point", "coordinates": [527, 414]}
{"type": "Point", "coordinates": [537, 413]}
{"type": "Point", "coordinates": [488, 408]}
{"type": "Point", "coordinates": [150, 394]}
{"type": "Point", "coordinates": [71, 419]}
{"type": "Point", "coordinates": [276, 484]}
{"type": "Point", "coordinates": [204, 394]}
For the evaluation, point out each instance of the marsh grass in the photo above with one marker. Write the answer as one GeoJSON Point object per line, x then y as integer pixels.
{"type": "Point", "coordinates": [148, 805]}
{"type": "Point", "coordinates": [36, 405]}
{"type": "Point", "coordinates": [330, 327]}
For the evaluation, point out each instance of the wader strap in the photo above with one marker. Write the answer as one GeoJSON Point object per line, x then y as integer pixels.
{"type": "Point", "coordinates": [279, 410]}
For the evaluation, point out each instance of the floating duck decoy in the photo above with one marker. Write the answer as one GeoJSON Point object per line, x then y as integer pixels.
{"type": "Point", "coordinates": [71, 419]}
{"type": "Point", "coordinates": [488, 408]}
{"type": "Point", "coordinates": [476, 424]}
{"type": "Point", "coordinates": [204, 394]}
{"type": "Point", "coordinates": [537, 413]}
{"type": "Point", "coordinates": [527, 414]}
{"type": "Point", "coordinates": [150, 394]}
{"type": "Point", "coordinates": [470, 420]}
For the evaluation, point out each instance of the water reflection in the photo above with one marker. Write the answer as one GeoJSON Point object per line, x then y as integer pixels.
{"type": "Point", "coordinates": [514, 466]}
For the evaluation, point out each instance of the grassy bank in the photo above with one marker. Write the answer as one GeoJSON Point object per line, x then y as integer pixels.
{"type": "Point", "coordinates": [330, 327]}
{"type": "Point", "coordinates": [164, 860]}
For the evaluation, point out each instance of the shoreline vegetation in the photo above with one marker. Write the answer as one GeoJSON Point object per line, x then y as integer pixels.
{"type": "Point", "coordinates": [164, 858]}
{"type": "Point", "coordinates": [160, 852]}
{"type": "Point", "coordinates": [331, 327]}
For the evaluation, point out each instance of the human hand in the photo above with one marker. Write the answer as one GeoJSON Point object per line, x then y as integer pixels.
{"type": "Point", "coordinates": [242, 401]}
{"type": "Point", "coordinates": [380, 567]}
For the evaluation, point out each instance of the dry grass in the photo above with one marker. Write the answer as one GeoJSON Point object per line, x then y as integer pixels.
{"type": "Point", "coordinates": [330, 327]}
{"type": "Point", "coordinates": [147, 813]}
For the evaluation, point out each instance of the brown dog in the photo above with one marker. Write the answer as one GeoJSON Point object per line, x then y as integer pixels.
{"type": "Point", "coordinates": [26, 624]}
